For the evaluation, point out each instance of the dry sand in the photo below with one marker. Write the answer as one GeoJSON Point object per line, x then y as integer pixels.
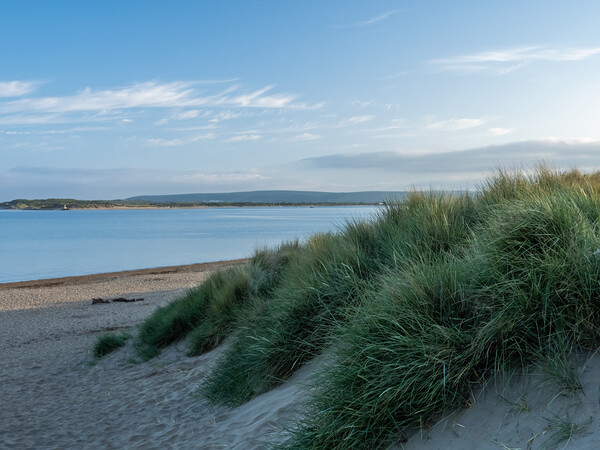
{"type": "Point", "coordinates": [53, 397]}
{"type": "Point", "coordinates": [529, 411]}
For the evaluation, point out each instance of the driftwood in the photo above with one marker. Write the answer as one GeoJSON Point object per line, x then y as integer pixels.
{"type": "Point", "coordinates": [127, 300]}
{"type": "Point", "coordinates": [116, 300]}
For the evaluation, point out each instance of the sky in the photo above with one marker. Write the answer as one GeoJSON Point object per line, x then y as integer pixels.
{"type": "Point", "coordinates": [112, 99]}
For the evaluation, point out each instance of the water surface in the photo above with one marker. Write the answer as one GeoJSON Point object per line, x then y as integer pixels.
{"type": "Point", "coordinates": [48, 244]}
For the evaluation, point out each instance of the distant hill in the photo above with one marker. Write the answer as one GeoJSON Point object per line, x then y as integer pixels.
{"type": "Point", "coordinates": [277, 197]}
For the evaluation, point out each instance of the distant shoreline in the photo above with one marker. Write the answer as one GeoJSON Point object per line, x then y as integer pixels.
{"type": "Point", "coordinates": [216, 200]}
{"type": "Point", "coordinates": [202, 206]}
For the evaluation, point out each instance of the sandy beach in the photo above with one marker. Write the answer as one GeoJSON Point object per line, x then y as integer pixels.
{"type": "Point", "coordinates": [54, 396]}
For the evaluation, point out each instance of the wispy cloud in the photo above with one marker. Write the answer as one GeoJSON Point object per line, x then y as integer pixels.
{"type": "Point", "coordinates": [179, 94]}
{"type": "Point", "coordinates": [500, 131]}
{"type": "Point", "coordinates": [150, 94]}
{"type": "Point", "coordinates": [44, 132]}
{"type": "Point", "coordinates": [396, 124]}
{"type": "Point", "coordinates": [508, 60]}
{"type": "Point", "coordinates": [307, 137]}
{"type": "Point", "coordinates": [29, 181]}
{"type": "Point", "coordinates": [226, 115]}
{"type": "Point", "coordinates": [194, 128]}
{"type": "Point", "coordinates": [190, 114]}
{"type": "Point", "coordinates": [362, 104]}
{"type": "Point", "coordinates": [355, 120]}
{"type": "Point", "coordinates": [182, 177]}
{"type": "Point", "coordinates": [216, 178]}
{"type": "Point", "coordinates": [563, 152]}
{"type": "Point", "coordinates": [455, 124]}
{"type": "Point", "coordinates": [245, 137]}
{"type": "Point", "coordinates": [17, 88]}
{"type": "Point", "coordinates": [378, 18]}
{"type": "Point", "coordinates": [30, 119]}
{"type": "Point", "coordinates": [258, 99]}
{"type": "Point", "coordinates": [161, 142]}
{"type": "Point", "coordinates": [369, 21]}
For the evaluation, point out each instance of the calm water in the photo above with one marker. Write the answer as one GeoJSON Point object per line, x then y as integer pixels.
{"type": "Point", "coordinates": [48, 244]}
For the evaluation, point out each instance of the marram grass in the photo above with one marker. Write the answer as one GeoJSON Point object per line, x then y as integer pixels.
{"type": "Point", "coordinates": [524, 285]}
{"type": "Point", "coordinates": [108, 343]}
{"type": "Point", "coordinates": [434, 296]}
{"type": "Point", "coordinates": [209, 312]}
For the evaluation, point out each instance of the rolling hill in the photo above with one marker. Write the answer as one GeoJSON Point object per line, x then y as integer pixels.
{"type": "Point", "coordinates": [276, 197]}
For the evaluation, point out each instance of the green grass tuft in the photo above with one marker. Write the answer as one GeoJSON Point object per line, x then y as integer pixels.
{"type": "Point", "coordinates": [109, 343]}
{"type": "Point", "coordinates": [208, 313]}
{"type": "Point", "coordinates": [565, 429]}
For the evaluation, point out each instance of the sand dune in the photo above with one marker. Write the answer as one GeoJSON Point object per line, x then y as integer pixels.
{"type": "Point", "coordinates": [53, 396]}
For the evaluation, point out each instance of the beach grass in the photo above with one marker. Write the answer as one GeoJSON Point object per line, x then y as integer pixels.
{"type": "Point", "coordinates": [416, 308]}
{"type": "Point", "coordinates": [108, 343]}
{"type": "Point", "coordinates": [209, 312]}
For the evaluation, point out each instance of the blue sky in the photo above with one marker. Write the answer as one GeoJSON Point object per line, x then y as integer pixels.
{"type": "Point", "coordinates": [113, 99]}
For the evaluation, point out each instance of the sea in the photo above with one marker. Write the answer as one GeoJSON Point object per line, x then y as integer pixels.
{"type": "Point", "coordinates": [48, 244]}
